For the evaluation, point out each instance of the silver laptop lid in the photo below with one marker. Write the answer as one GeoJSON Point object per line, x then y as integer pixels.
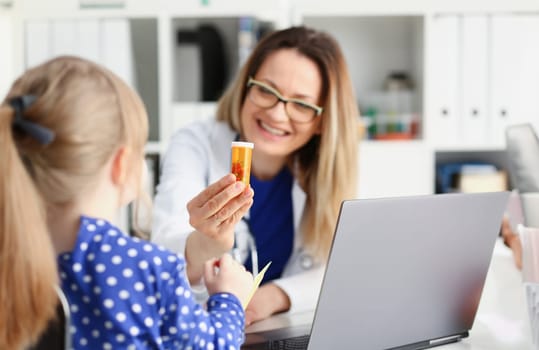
{"type": "Point", "coordinates": [406, 270]}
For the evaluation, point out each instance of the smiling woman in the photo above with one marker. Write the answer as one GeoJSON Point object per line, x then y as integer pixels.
{"type": "Point", "coordinates": [293, 99]}
{"type": "Point", "coordinates": [281, 129]}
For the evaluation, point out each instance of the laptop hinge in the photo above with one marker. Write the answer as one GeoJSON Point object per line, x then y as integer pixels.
{"type": "Point", "coordinates": [445, 340]}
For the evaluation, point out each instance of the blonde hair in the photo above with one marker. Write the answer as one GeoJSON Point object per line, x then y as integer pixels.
{"type": "Point", "coordinates": [326, 166]}
{"type": "Point", "coordinates": [92, 113]}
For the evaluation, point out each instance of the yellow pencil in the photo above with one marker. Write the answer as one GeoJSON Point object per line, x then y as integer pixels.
{"type": "Point", "coordinates": [258, 279]}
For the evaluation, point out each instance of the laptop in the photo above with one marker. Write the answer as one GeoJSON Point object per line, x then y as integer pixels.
{"type": "Point", "coordinates": [403, 273]}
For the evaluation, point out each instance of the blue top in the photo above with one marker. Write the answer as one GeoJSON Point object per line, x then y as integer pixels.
{"type": "Point", "coordinates": [271, 221]}
{"type": "Point", "coordinates": [126, 293]}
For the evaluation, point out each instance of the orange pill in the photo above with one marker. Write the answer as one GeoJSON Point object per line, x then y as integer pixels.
{"type": "Point", "coordinates": [242, 153]}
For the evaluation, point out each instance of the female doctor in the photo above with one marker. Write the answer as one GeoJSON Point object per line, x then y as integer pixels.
{"type": "Point", "coordinates": [294, 100]}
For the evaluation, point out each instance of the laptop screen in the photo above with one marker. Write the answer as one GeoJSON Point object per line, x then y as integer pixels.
{"type": "Point", "coordinates": [406, 272]}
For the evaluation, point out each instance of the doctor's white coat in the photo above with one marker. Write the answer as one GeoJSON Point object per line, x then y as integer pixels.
{"type": "Point", "coordinates": [199, 155]}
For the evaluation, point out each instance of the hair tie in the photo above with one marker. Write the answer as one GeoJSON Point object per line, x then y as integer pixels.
{"type": "Point", "coordinates": [40, 133]}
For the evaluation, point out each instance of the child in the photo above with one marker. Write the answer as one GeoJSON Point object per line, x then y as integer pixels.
{"type": "Point", "coordinates": [73, 138]}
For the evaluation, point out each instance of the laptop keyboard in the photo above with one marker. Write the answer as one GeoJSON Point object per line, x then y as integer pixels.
{"type": "Point", "coordinates": [295, 343]}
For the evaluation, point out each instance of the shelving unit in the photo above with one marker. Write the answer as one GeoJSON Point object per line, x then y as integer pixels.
{"type": "Point", "coordinates": [187, 101]}
{"type": "Point", "coordinates": [138, 40]}
{"type": "Point", "coordinates": [377, 45]}
{"type": "Point", "coordinates": [473, 76]}
{"type": "Point", "coordinates": [457, 54]}
{"type": "Point", "coordinates": [164, 73]}
{"type": "Point", "coordinates": [378, 49]}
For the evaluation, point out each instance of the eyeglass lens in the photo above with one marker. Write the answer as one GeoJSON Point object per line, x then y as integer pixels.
{"type": "Point", "coordinates": [267, 98]}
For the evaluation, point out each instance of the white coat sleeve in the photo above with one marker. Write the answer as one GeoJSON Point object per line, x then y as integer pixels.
{"type": "Point", "coordinates": [184, 174]}
{"type": "Point", "coordinates": [303, 288]}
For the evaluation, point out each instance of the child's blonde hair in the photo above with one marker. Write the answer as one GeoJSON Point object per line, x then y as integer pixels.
{"type": "Point", "coordinates": [92, 113]}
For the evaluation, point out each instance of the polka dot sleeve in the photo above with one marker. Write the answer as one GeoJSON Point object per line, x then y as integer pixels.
{"type": "Point", "coordinates": [126, 293]}
{"type": "Point", "coordinates": [188, 324]}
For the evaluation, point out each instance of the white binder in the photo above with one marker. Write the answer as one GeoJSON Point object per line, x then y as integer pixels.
{"type": "Point", "coordinates": [474, 83]}
{"type": "Point", "coordinates": [87, 46]}
{"type": "Point", "coordinates": [38, 46]}
{"type": "Point", "coordinates": [504, 55]}
{"type": "Point", "coordinates": [442, 122]}
{"type": "Point", "coordinates": [527, 68]}
{"type": "Point", "coordinates": [116, 51]}
{"type": "Point", "coordinates": [64, 38]}
{"type": "Point", "coordinates": [6, 61]}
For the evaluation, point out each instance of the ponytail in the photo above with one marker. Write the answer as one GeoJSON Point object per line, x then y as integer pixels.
{"type": "Point", "coordinates": [28, 269]}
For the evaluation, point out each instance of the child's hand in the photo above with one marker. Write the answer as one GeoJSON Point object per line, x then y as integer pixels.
{"type": "Point", "coordinates": [229, 277]}
{"type": "Point", "coordinates": [512, 240]}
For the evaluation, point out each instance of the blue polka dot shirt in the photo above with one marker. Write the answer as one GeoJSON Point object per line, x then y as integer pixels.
{"type": "Point", "coordinates": [126, 293]}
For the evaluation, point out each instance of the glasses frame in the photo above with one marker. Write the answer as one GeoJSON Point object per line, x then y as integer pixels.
{"type": "Point", "coordinates": [280, 98]}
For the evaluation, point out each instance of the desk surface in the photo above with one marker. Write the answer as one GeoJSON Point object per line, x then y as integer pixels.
{"type": "Point", "coordinates": [502, 318]}
{"type": "Point", "coordinates": [502, 321]}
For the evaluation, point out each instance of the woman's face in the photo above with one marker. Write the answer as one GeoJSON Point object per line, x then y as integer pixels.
{"type": "Point", "coordinates": [293, 76]}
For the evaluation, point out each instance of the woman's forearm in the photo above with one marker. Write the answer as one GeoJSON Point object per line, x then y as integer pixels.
{"type": "Point", "coordinates": [198, 249]}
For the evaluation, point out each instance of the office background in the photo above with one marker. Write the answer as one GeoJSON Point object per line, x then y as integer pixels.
{"type": "Point", "coordinates": [437, 82]}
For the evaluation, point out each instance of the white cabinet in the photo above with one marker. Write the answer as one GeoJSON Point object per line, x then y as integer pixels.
{"type": "Point", "coordinates": [458, 80]}
{"type": "Point", "coordinates": [483, 74]}
{"type": "Point", "coordinates": [474, 84]}
{"type": "Point", "coordinates": [6, 61]}
{"type": "Point", "coordinates": [141, 45]}
{"type": "Point", "coordinates": [409, 7]}
{"type": "Point", "coordinates": [376, 47]}
{"type": "Point", "coordinates": [187, 112]}
{"type": "Point", "coordinates": [515, 72]}
{"type": "Point", "coordinates": [442, 85]}
{"type": "Point", "coordinates": [138, 40]}
{"type": "Point", "coordinates": [105, 41]}
{"type": "Point", "coordinates": [382, 52]}
{"type": "Point", "coordinates": [474, 64]}
{"type": "Point", "coordinates": [395, 168]}
{"type": "Point", "coordinates": [126, 46]}
{"type": "Point", "coordinates": [474, 67]}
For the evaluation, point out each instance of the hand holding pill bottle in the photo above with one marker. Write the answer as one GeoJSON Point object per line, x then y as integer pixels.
{"type": "Point", "coordinates": [242, 153]}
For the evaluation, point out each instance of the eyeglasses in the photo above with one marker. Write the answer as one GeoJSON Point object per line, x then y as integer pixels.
{"type": "Point", "coordinates": [264, 96]}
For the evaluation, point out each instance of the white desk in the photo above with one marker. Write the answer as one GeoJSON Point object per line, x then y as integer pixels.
{"type": "Point", "coordinates": [502, 321]}
{"type": "Point", "coordinates": [502, 318]}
